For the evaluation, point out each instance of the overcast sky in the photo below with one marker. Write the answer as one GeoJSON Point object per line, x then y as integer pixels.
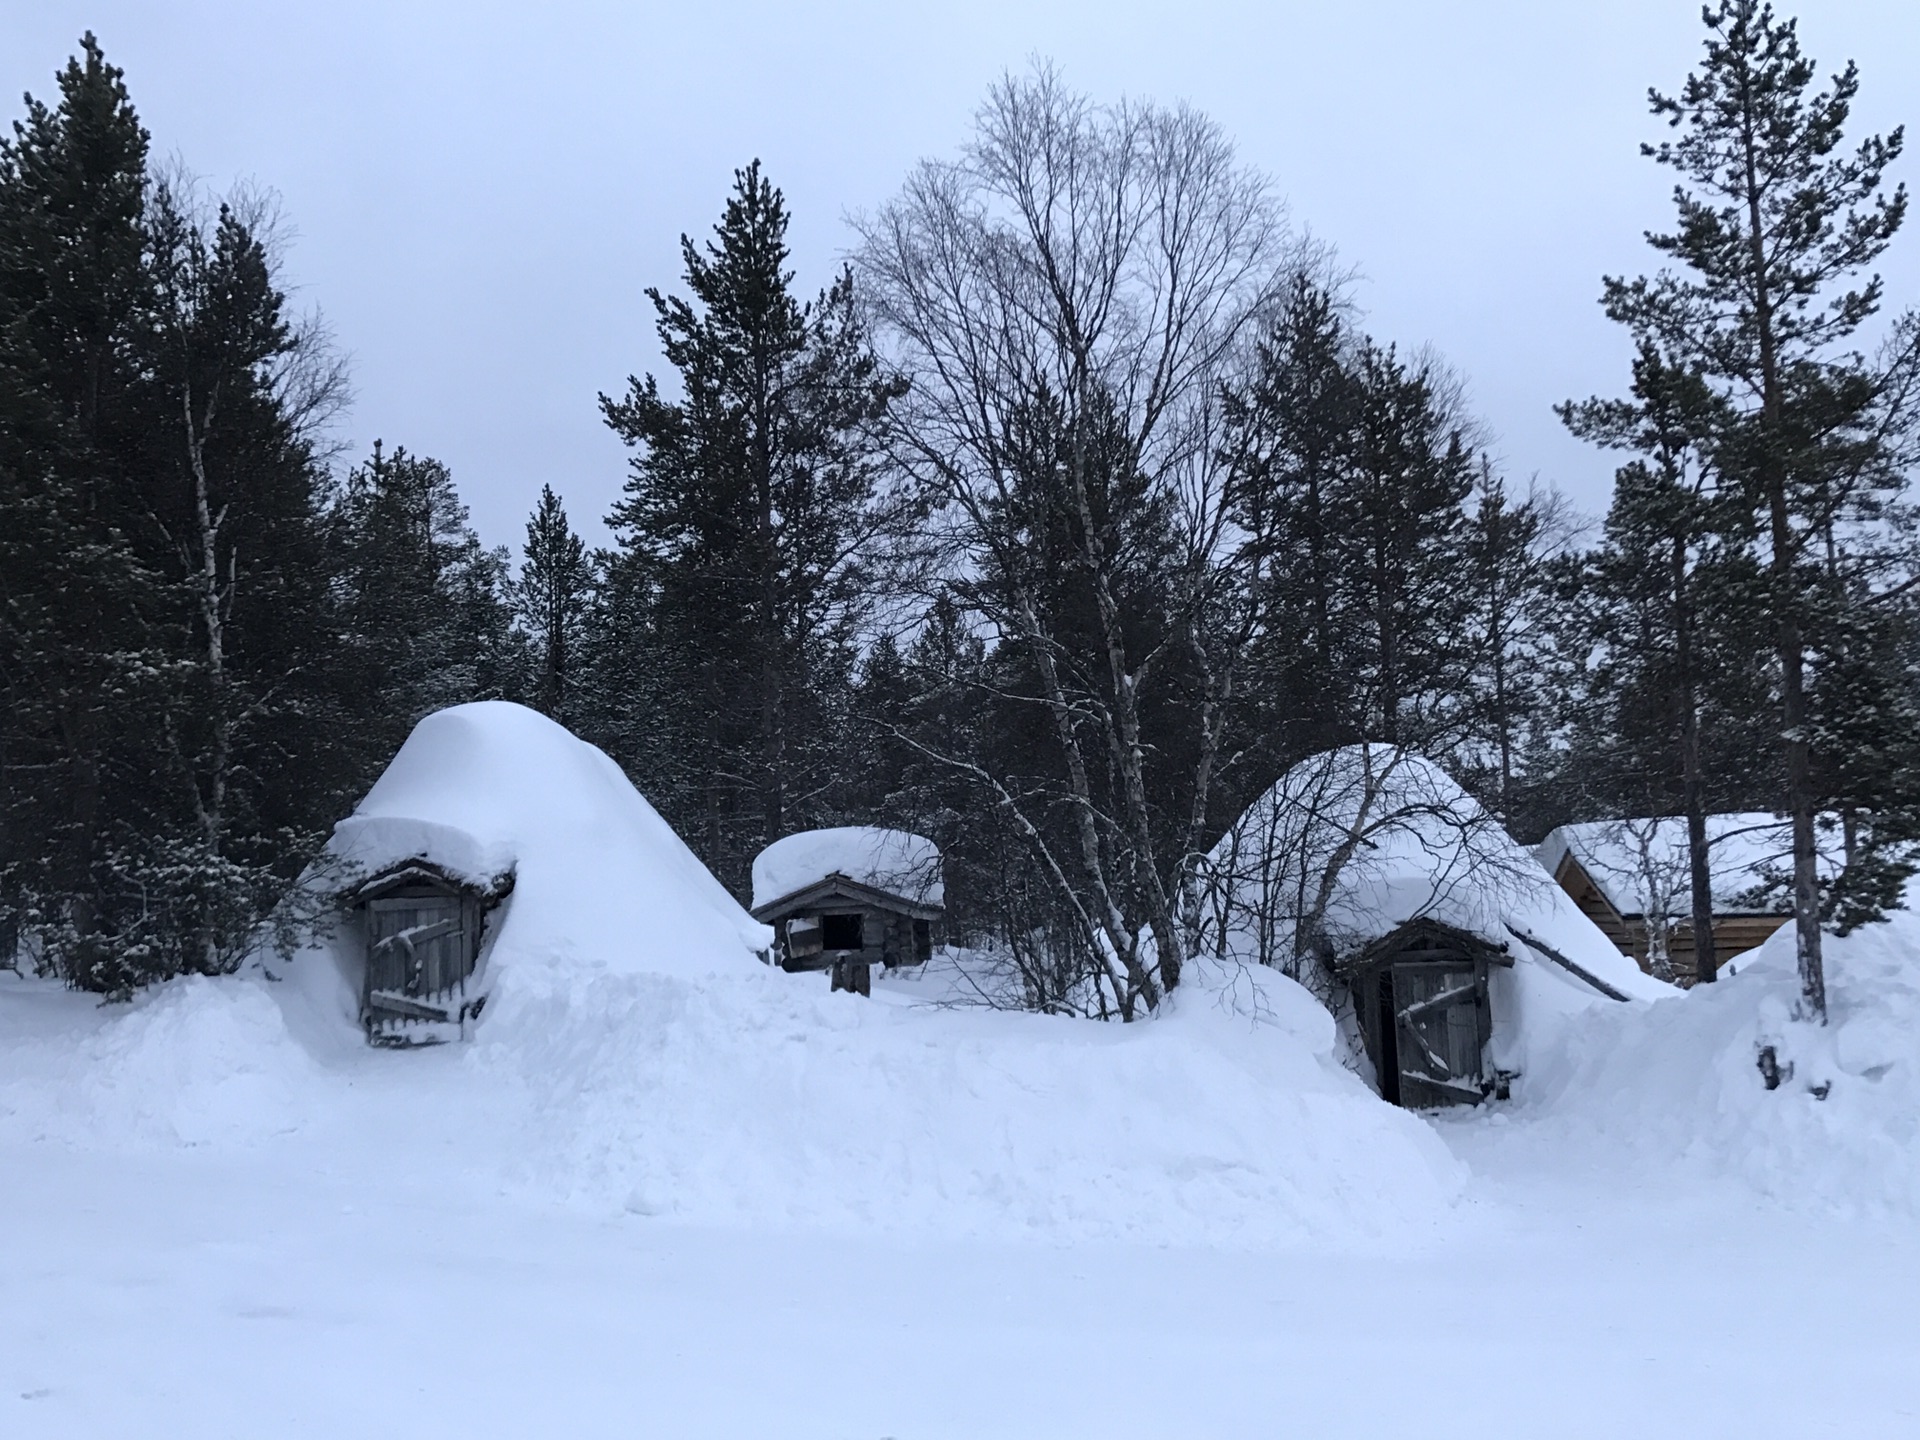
{"type": "Point", "coordinates": [481, 192]}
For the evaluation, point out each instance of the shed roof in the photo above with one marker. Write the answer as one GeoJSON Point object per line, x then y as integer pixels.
{"type": "Point", "coordinates": [1392, 839]}
{"type": "Point", "coordinates": [842, 887]}
{"type": "Point", "coordinates": [894, 862]}
{"type": "Point", "coordinates": [1640, 864]}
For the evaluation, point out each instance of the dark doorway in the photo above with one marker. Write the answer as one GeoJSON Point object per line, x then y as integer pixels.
{"type": "Point", "coordinates": [1386, 1027]}
{"type": "Point", "coordinates": [841, 932]}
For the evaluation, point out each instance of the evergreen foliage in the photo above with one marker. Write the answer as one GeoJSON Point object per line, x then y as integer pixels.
{"type": "Point", "coordinates": [551, 597]}
{"type": "Point", "coordinates": [1777, 224]}
{"type": "Point", "coordinates": [751, 498]}
{"type": "Point", "coordinates": [1155, 520]}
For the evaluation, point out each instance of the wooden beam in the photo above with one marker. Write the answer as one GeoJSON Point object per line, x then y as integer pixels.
{"type": "Point", "coordinates": [1547, 951]}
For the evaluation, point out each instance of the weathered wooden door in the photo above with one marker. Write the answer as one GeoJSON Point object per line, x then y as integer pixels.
{"type": "Point", "coordinates": [420, 952]}
{"type": "Point", "coordinates": [1441, 1027]}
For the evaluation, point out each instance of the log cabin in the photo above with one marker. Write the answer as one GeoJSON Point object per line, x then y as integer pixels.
{"type": "Point", "coordinates": [845, 900]}
{"type": "Point", "coordinates": [1631, 877]}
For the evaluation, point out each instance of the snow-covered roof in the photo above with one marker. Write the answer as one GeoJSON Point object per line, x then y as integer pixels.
{"type": "Point", "coordinates": [491, 789]}
{"type": "Point", "coordinates": [895, 861]}
{"type": "Point", "coordinates": [1641, 865]}
{"type": "Point", "coordinates": [1373, 837]}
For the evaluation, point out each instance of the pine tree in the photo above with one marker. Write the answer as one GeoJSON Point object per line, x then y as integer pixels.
{"type": "Point", "coordinates": [1290, 429]}
{"type": "Point", "coordinates": [1777, 228]}
{"type": "Point", "coordinates": [170, 747]}
{"type": "Point", "coordinates": [234, 517]}
{"type": "Point", "coordinates": [1509, 548]}
{"type": "Point", "coordinates": [551, 598]}
{"type": "Point", "coordinates": [1670, 594]}
{"type": "Point", "coordinates": [744, 517]}
{"type": "Point", "coordinates": [1403, 574]}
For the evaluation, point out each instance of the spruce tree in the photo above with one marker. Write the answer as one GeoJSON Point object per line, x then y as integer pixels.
{"type": "Point", "coordinates": [1669, 596]}
{"type": "Point", "coordinates": [749, 501]}
{"type": "Point", "coordinates": [1778, 226]}
{"type": "Point", "coordinates": [426, 605]}
{"type": "Point", "coordinates": [170, 746]}
{"type": "Point", "coordinates": [551, 598]}
{"type": "Point", "coordinates": [76, 646]}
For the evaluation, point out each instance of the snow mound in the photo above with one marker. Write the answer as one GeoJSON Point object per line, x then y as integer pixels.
{"type": "Point", "coordinates": [892, 860]}
{"type": "Point", "coordinates": [747, 1101]}
{"type": "Point", "coordinates": [600, 880]}
{"type": "Point", "coordinates": [1679, 1084]}
{"type": "Point", "coordinates": [195, 1062]}
{"type": "Point", "coordinates": [1353, 843]}
{"type": "Point", "coordinates": [1390, 837]}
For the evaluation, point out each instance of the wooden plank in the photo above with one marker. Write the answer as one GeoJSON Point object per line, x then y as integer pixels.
{"type": "Point", "coordinates": [405, 1006]}
{"type": "Point", "coordinates": [1469, 991]}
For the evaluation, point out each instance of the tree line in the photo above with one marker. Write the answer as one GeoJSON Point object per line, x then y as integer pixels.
{"type": "Point", "coordinates": [1075, 510]}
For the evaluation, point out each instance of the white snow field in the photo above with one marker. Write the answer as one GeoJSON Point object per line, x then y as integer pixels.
{"type": "Point", "coordinates": [668, 1191]}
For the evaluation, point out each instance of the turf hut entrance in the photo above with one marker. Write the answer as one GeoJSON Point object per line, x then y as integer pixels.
{"type": "Point", "coordinates": [422, 927]}
{"type": "Point", "coordinates": [847, 899]}
{"type": "Point", "coordinates": [1422, 996]}
{"type": "Point", "coordinates": [1370, 877]}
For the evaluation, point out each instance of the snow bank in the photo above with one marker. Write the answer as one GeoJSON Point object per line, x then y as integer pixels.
{"type": "Point", "coordinates": [600, 880]}
{"type": "Point", "coordinates": [1679, 1085]}
{"type": "Point", "coordinates": [892, 860]}
{"type": "Point", "coordinates": [1391, 837]}
{"type": "Point", "coordinates": [749, 1101]}
{"type": "Point", "coordinates": [195, 1062]}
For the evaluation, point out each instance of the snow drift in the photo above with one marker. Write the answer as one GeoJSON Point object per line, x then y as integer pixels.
{"type": "Point", "coordinates": [197, 1062]}
{"type": "Point", "coordinates": [755, 1101]}
{"type": "Point", "coordinates": [600, 881]}
{"type": "Point", "coordinates": [1679, 1085]}
{"type": "Point", "coordinates": [749, 1100]}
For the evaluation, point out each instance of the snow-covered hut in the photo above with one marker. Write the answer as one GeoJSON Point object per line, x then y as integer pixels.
{"type": "Point", "coordinates": [495, 838]}
{"type": "Point", "coordinates": [1633, 879]}
{"type": "Point", "coordinates": [849, 898]}
{"type": "Point", "coordinates": [1369, 875]}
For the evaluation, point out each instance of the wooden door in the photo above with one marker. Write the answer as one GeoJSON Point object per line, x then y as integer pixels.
{"type": "Point", "coordinates": [1441, 1026]}
{"type": "Point", "coordinates": [420, 951]}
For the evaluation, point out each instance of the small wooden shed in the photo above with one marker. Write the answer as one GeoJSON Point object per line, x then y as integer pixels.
{"type": "Point", "coordinates": [839, 924]}
{"type": "Point", "coordinates": [848, 899]}
{"type": "Point", "coordinates": [1422, 997]}
{"type": "Point", "coordinates": [421, 926]}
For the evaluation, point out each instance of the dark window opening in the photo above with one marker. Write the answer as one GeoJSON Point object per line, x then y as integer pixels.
{"type": "Point", "coordinates": [841, 932]}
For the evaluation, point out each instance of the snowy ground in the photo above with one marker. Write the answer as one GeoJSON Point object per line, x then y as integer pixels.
{"type": "Point", "coordinates": [642, 1207]}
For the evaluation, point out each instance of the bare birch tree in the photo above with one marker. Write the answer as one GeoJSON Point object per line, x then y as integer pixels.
{"type": "Point", "coordinates": [1069, 296]}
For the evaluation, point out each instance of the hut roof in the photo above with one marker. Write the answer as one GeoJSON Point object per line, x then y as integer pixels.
{"type": "Point", "coordinates": [1394, 839]}
{"type": "Point", "coordinates": [491, 790]}
{"type": "Point", "coordinates": [1636, 861]}
{"type": "Point", "coordinates": [891, 861]}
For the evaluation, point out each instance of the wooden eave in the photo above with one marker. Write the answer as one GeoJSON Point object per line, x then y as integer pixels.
{"type": "Point", "coordinates": [1392, 946]}
{"type": "Point", "coordinates": [842, 887]}
{"type": "Point", "coordinates": [418, 870]}
{"type": "Point", "coordinates": [1570, 864]}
